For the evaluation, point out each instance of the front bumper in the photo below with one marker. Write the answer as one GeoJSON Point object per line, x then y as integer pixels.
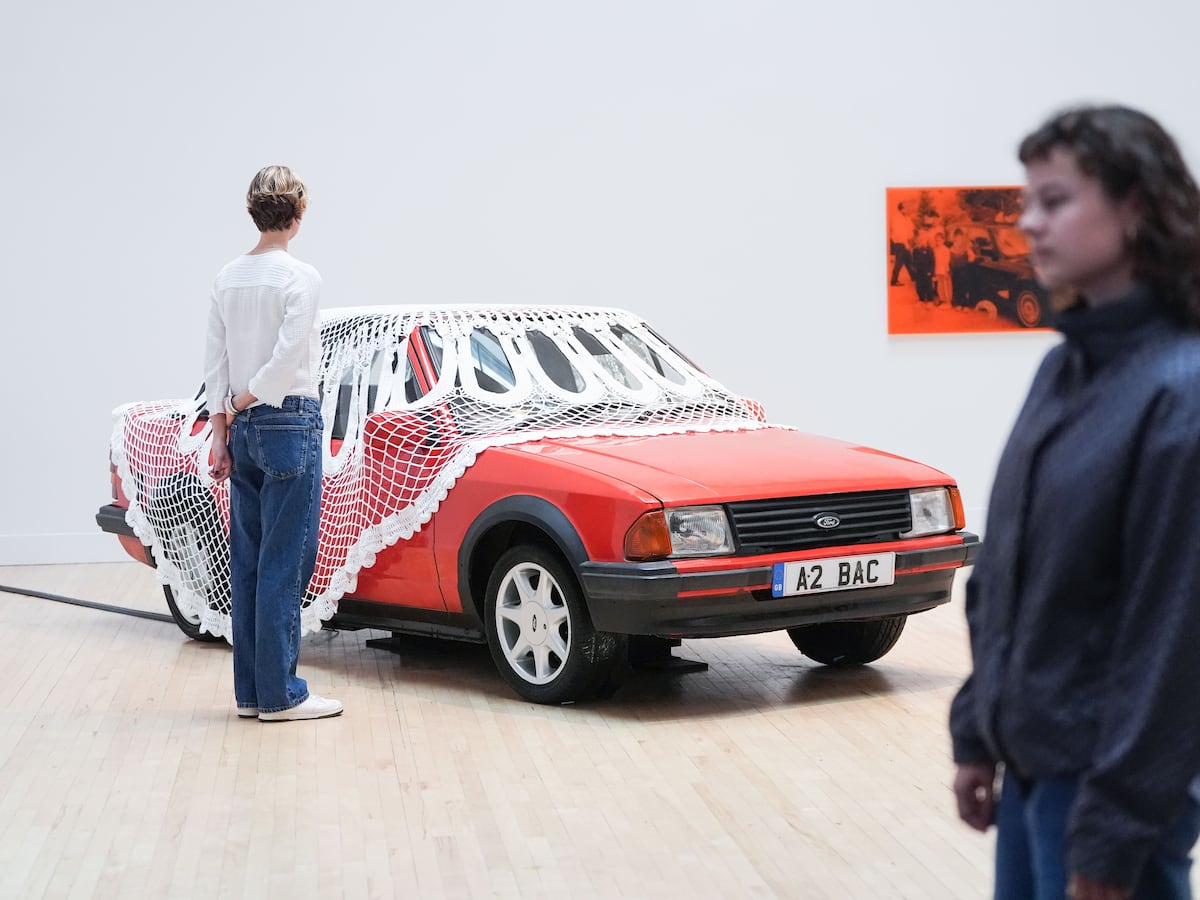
{"type": "Point", "coordinates": [656, 599]}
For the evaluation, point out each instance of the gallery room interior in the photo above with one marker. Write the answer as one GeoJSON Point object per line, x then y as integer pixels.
{"type": "Point", "coordinates": [719, 168]}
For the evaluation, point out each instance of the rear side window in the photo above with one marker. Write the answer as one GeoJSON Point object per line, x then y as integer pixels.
{"type": "Point", "coordinates": [383, 368]}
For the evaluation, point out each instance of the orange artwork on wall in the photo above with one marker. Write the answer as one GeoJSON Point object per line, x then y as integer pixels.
{"type": "Point", "coordinates": [956, 262]}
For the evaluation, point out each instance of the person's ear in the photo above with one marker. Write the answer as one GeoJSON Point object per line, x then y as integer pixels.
{"type": "Point", "coordinates": [1131, 210]}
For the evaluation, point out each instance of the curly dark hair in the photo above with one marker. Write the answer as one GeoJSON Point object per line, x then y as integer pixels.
{"type": "Point", "coordinates": [1128, 152]}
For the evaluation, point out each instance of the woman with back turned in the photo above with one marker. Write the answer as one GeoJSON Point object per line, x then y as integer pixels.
{"type": "Point", "coordinates": [263, 356]}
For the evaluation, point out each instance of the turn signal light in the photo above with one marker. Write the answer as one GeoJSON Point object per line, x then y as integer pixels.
{"type": "Point", "coordinates": [960, 517]}
{"type": "Point", "coordinates": [648, 537]}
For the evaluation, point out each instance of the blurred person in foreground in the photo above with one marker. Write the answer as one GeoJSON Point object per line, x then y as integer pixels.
{"type": "Point", "coordinates": [1084, 602]}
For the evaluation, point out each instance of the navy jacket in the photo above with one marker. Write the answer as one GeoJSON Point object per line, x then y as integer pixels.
{"type": "Point", "coordinates": [1084, 603]}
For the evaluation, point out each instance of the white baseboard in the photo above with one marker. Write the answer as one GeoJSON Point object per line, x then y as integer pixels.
{"type": "Point", "coordinates": [59, 549]}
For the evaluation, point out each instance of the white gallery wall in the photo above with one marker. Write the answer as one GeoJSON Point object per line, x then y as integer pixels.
{"type": "Point", "coordinates": [716, 165]}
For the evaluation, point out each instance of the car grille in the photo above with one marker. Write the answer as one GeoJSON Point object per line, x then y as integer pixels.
{"type": "Point", "coordinates": [789, 523]}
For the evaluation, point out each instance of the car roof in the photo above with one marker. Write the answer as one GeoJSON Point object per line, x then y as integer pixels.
{"type": "Point", "coordinates": [333, 314]}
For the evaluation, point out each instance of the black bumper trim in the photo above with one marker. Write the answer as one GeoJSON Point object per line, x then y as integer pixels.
{"type": "Point", "coordinates": [111, 519]}
{"type": "Point", "coordinates": [644, 598]}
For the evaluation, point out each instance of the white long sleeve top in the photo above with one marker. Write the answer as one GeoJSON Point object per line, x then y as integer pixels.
{"type": "Point", "coordinates": [263, 330]}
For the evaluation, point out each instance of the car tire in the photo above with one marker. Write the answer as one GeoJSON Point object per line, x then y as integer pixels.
{"type": "Point", "coordinates": [1028, 307]}
{"type": "Point", "coordinates": [987, 307]}
{"type": "Point", "coordinates": [189, 626]}
{"type": "Point", "coordinates": [183, 513]}
{"type": "Point", "coordinates": [540, 634]}
{"type": "Point", "coordinates": [848, 643]}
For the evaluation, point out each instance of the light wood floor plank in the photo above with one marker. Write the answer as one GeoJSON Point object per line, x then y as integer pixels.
{"type": "Point", "coordinates": [124, 770]}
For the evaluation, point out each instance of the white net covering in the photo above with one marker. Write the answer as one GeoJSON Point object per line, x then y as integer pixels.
{"type": "Point", "coordinates": [410, 398]}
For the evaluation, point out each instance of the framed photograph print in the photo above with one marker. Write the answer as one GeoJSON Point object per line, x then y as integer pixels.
{"type": "Point", "coordinates": [956, 262]}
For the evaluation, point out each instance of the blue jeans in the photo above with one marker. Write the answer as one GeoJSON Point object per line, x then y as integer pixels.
{"type": "Point", "coordinates": [275, 503]}
{"type": "Point", "coordinates": [1031, 843]}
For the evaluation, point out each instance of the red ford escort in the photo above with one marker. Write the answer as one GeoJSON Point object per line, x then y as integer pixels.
{"type": "Point", "coordinates": [563, 484]}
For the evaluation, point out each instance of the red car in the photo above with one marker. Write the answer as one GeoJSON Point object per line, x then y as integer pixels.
{"type": "Point", "coordinates": [564, 485]}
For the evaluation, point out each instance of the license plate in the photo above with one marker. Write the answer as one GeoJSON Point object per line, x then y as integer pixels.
{"type": "Point", "coordinates": [838, 573]}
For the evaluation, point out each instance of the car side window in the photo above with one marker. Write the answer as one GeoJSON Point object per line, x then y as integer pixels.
{"type": "Point", "coordinates": [383, 371]}
{"type": "Point", "coordinates": [341, 414]}
{"type": "Point", "coordinates": [493, 371]}
{"type": "Point", "coordinates": [379, 387]}
{"type": "Point", "coordinates": [412, 388]}
{"type": "Point", "coordinates": [425, 342]}
{"type": "Point", "coordinates": [554, 362]}
{"type": "Point", "coordinates": [605, 357]}
{"type": "Point", "coordinates": [433, 343]}
{"type": "Point", "coordinates": [1010, 242]}
{"type": "Point", "coordinates": [985, 249]}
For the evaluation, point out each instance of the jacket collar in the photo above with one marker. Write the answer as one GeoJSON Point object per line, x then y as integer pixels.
{"type": "Point", "coordinates": [1101, 334]}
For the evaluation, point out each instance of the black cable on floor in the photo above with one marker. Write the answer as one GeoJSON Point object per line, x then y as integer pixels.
{"type": "Point", "coordinates": [104, 607]}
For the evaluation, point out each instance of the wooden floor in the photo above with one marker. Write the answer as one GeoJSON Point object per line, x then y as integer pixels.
{"type": "Point", "coordinates": [124, 771]}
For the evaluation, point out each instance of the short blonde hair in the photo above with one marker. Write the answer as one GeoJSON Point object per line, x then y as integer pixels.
{"type": "Point", "coordinates": [276, 198]}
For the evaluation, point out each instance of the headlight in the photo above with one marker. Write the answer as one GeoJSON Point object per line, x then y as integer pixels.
{"type": "Point", "coordinates": [699, 531]}
{"type": "Point", "coordinates": [932, 512]}
{"type": "Point", "coordinates": [684, 531]}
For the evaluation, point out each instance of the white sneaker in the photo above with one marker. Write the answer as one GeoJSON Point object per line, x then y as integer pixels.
{"type": "Point", "coordinates": [313, 708]}
{"type": "Point", "coordinates": [247, 712]}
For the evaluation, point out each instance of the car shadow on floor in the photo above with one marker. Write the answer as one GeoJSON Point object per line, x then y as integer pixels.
{"type": "Point", "coordinates": [740, 677]}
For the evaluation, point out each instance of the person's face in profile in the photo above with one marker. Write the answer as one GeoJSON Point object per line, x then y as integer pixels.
{"type": "Point", "coordinates": [1077, 234]}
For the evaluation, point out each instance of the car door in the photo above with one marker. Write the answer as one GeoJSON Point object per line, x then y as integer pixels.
{"type": "Point", "coordinates": [403, 444]}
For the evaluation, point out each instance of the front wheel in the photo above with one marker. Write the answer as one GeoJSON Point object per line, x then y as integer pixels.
{"type": "Point", "coordinates": [1029, 307]}
{"type": "Point", "coordinates": [987, 307]}
{"type": "Point", "coordinates": [848, 643]}
{"type": "Point", "coordinates": [540, 634]}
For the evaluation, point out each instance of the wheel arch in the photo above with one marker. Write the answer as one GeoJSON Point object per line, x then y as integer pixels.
{"type": "Point", "coordinates": [513, 520]}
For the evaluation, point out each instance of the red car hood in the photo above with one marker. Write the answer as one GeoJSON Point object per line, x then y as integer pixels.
{"type": "Point", "coordinates": [738, 465]}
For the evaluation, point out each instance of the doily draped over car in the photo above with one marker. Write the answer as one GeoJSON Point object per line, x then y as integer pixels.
{"type": "Point", "coordinates": [410, 398]}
